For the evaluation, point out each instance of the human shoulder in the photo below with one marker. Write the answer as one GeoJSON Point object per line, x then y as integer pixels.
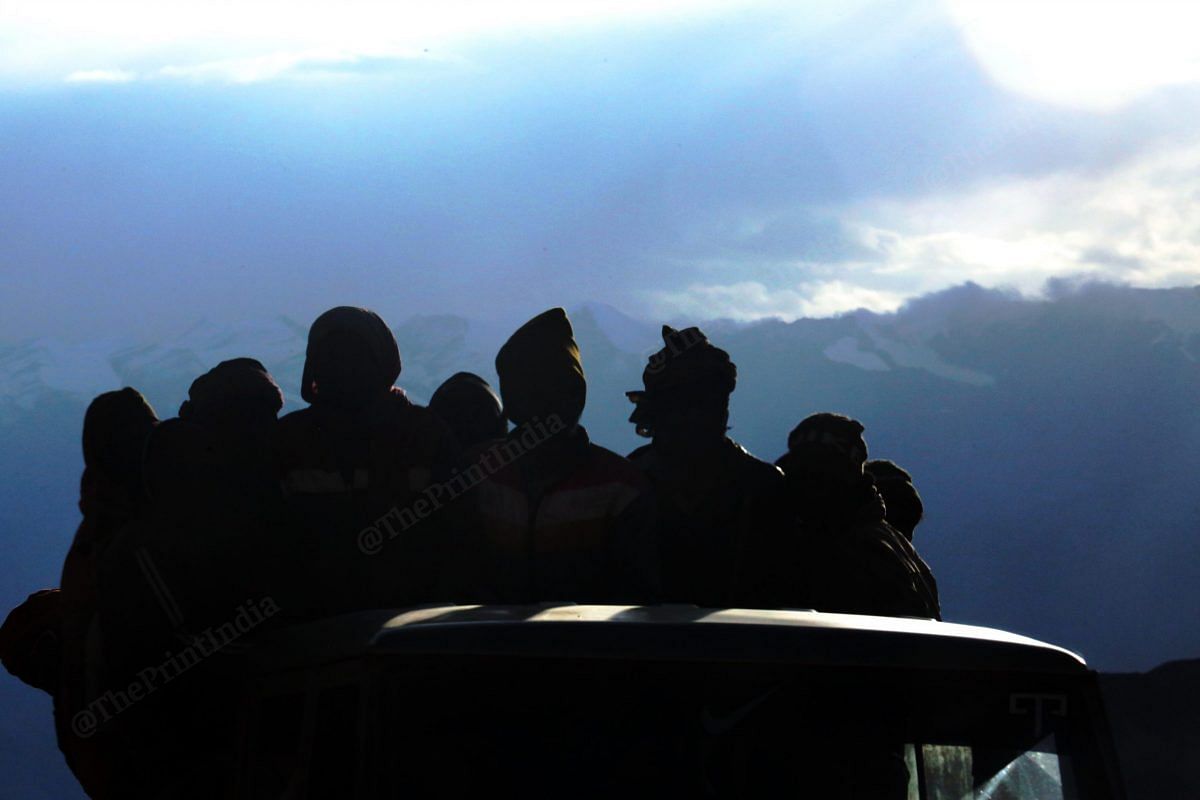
{"type": "Point", "coordinates": [643, 456]}
{"type": "Point", "coordinates": [605, 463]}
{"type": "Point", "coordinates": [755, 468]}
{"type": "Point", "coordinates": [413, 425]}
{"type": "Point", "coordinates": [171, 435]}
{"type": "Point", "coordinates": [297, 420]}
{"type": "Point", "coordinates": [295, 437]}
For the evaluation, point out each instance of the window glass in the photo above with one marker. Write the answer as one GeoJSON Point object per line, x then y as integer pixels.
{"type": "Point", "coordinates": [953, 773]}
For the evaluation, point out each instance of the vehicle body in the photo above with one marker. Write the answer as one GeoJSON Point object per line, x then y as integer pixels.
{"type": "Point", "coordinates": [566, 700]}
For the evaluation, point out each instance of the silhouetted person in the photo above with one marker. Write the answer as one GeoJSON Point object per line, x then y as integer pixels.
{"type": "Point", "coordinates": [213, 493]}
{"type": "Point", "coordinates": [903, 502]}
{"type": "Point", "coordinates": [471, 409]}
{"type": "Point", "coordinates": [359, 457]}
{"type": "Point", "coordinates": [846, 557]}
{"type": "Point", "coordinates": [29, 647]}
{"type": "Point", "coordinates": [205, 543]}
{"type": "Point", "coordinates": [710, 494]}
{"type": "Point", "coordinates": [215, 510]}
{"type": "Point", "coordinates": [903, 508]}
{"type": "Point", "coordinates": [562, 518]}
{"type": "Point", "coordinates": [116, 427]}
{"type": "Point", "coordinates": [222, 438]}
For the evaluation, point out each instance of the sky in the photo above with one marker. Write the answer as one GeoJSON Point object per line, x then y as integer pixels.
{"type": "Point", "coordinates": [165, 162]}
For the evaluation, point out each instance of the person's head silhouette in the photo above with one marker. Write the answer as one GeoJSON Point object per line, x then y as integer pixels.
{"type": "Point", "coordinates": [825, 447]}
{"type": "Point", "coordinates": [904, 507]}
{"type": "Point", "coordinates": [684, 406]}
{"type": "Point", "coordinates": [541, 373]}
{"type": "Point", "coordinates": [352, 358]}
{"type": "Point", "coordinates": [115, 428]}
{"type": "Point", "coordinates": [470, 407]}
{"type": "Point", "coordinates": [236, 393]}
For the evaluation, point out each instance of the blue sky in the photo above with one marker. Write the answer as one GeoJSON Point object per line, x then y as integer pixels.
{"type": "Point", "coordinates": [164, 162]}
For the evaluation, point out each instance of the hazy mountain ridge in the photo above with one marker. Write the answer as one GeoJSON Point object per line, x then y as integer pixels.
{"type": "Point", "coordinates": [1155, 719]}
{"type": "Point", "coordinates": [942, 333]}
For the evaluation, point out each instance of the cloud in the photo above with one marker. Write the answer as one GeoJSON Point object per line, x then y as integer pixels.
{"type": "Point", "coordinates": [775, 235]}
{"type": "Point", "coordinates": [1138, 224]}
{"type": "Point", "coordinates": [306, 65]}
{"type": "Point", "coordinates": [316, 64]}
{"type": "Point", "coordinates": [101, 76]}
{"type": "Point", "coordinates": [751, 300]}
{"type": "Point", "coordinates": [41, 37]}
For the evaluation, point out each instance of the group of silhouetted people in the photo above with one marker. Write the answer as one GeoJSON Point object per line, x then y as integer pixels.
{"type": "Point", "coordinates": [365, 499]}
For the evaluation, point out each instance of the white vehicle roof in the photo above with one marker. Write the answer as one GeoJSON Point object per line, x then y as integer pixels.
{"type": "Point", "coordinates": [664, 632]}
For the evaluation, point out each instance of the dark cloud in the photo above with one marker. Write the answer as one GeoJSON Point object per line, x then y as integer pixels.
{"type": "Point", "coordinates": [1106, 257]}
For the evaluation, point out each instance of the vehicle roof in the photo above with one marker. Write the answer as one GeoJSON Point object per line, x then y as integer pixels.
{"type": "Point", "coordinates": [664, 632]}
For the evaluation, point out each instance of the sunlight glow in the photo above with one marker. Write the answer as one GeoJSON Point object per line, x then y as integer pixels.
{"type": "Point", "coordinates": [1095, 55]}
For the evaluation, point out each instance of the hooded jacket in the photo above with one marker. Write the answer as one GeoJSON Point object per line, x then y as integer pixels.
{"type": "Point", "coordinates": [362, 452]}
{"type": "Point", "coordinates": [575, 527]}
{"type": "Point", "coordinates": [115, 430]}
{"type": "Point", "coordinates": [561, 518]}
